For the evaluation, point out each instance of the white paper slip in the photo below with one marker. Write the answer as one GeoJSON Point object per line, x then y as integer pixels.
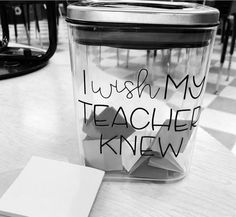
{"type": "Point", "coordinates": [47, 188]}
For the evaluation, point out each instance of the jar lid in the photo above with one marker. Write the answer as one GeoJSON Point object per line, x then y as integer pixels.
{"type": "Point", "coordinates": [143, 12]}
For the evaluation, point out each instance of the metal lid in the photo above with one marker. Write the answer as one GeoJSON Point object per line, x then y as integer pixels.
{"type": "Point", "coordinates": [143, 12]}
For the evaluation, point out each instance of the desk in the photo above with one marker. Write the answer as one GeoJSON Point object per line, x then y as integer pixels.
{"type": "Point", "coordinates": [37, 118]}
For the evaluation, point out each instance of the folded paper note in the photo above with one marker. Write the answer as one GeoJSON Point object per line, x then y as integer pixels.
{"type": "Point", "coordinates": [102, 155]}
{"type": "Point", "coordinates": [143, 170]}
{"type": "Point", "coordinates": [109, 123]}
{"type": "Point", "coordinates": [168, 139]}
{"type": "Point", "coordinates": [155, 166]}
{"type": "Point", "coordinates": [91, 131]}
{"type": "Point", "coordinates": [47, 188]}
{"type": "Point", "coordinates": [168, 162]}
{"type": "Point", "coordinates": [131, 148]}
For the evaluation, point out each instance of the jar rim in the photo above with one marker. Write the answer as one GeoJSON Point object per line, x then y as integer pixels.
{"type": "Point", "coordinates": [143, 12]}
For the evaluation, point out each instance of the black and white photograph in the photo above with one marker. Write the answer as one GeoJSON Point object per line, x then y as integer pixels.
{"type": "Point", "coordinates": [112, 108]}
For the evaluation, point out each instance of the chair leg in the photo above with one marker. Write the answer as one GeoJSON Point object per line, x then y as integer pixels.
{"type": "Point", "coordinates": [127, 59]}
{"type": "Point", "coordinates": [229, 67]}
{"type": "Point", "coordinates": [65, 6]}
{"type": "Point", "coordinates": [28, 16]}
{"type": "Point", "coordinates": [118, 56]}
{"type": "Point", "coordinates": [147, 57]}
{"type": "Point", "coordinates": [232, 46]}
{"type": "Point", "coordinates": [37, 24]}
{"type": "Point", "coordinates": [4, 23]}
{"type": "Point", "coordinates": [154, 55]}
{"type": "Point", "coordinates": [222, 59]}
{"type": "Point", "coordinates": [100, 55]}
{"type": "Point", "coordinates": [219, 79]}
{"type": "Point", "coordinates": [57, 14]}
{"type": "Point", "coordinates": [15, 24]}
{"type": "Point", "coordinates": [223, 27]}
{"type": "Point", "coordinates": [24, 22]}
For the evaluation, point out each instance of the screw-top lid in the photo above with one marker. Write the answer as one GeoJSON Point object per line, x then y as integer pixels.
{"type": "Point", "coordinates": [142, 24]}
{"type": "Point", "coordinates": [143, 12]}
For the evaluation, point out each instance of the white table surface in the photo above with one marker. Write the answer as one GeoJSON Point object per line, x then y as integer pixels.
{"type": "Point", "coordinates": [37, 118]}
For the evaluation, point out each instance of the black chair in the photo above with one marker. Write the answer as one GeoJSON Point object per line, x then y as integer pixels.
{"type": "Point", "coordinates": [227, 21]}
{"type": "Point", "coordinates": [16, 61]}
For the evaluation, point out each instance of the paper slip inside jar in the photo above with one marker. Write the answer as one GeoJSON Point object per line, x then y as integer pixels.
{"type": "Point", "coordinates": [142, 169]}
{"type": "Point", "coordinates": [107, 158]}
{"type": "Point", "coordinates": [108, 129]}
{"type": "Point", "coordinates": [131, 148]}
{"type": "Point", "coordinates": [168, 162]}
{"type": "Point", "coordinates": [167, 139]}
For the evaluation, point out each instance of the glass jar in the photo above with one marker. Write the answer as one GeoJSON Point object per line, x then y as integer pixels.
{"type": "Point", "coordinates": [139, 74]}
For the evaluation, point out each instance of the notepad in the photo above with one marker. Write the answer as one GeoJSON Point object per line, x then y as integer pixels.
{"type": "Point", "coordinates": [47, 188]}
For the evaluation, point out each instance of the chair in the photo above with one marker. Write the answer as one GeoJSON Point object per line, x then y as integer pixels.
{"type": "Point", "coordinates": [225, 8]}
{"type": "Point", "coordinates": [16, 61]}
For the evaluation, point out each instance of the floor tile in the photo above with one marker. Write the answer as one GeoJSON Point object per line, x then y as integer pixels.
{"type": "Point", "coordinates": [140, 60]}
{"type": "Point", "coordinates": [233, 66]}
{"type": "Point", "coordinates": [208, 99]}
{"type": "Point", "coordinates": [224, 104]}
{"type": "Point", "coordinates": [234, 149]}
{"type": "Point", "coordinates": [215, 69]}
{"type": "Point", "coordinates": [137, 53]}
{"type": "Point", "coordinates": [217, 48]}
{"type": "Point", "coordinates": [218, 120]}
{"type": "Point", "coordinates": [224, 138]}
{"type": "Point", "coordinates": [215, 57]}
{"type": "Point", "coordinates": [212, 78]}
{"type": "Point", "coordinates": [233, 83]}
{"type": "Point", "coordinates": [214, 61]}
{"type": "Point", "coordinates": [229, 92]}
{"type": "Point", "coordinates": [211, 88]}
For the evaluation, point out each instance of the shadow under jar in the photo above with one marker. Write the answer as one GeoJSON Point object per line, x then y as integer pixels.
{"type": "Point", "coordinates": [139, 75]}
